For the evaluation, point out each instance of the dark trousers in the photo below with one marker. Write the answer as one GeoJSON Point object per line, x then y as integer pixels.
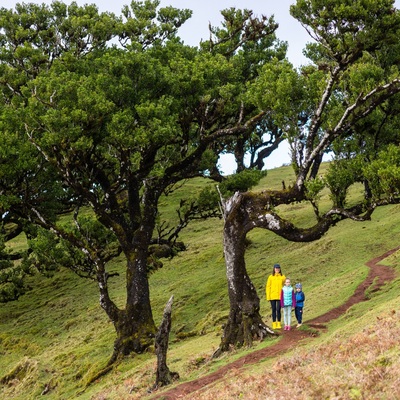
{"type": "Point", "coordinates": [298, 311]}
{"type": "Point", "coordinates": [276, 310]}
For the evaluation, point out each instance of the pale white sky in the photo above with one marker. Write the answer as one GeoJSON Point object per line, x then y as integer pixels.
{"type": "Point", "coordinates": [196, 28]}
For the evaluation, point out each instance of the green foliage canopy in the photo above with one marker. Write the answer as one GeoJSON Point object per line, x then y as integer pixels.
{"type": "Point", "coordinates": [113, 127]}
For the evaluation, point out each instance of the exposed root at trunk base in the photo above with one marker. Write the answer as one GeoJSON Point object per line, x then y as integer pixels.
{"type": "Point", "coordinates": [172, 377]}
{"type": "Point", "coordinates": [99, 374]}
{"type": "Point", "coordinates": [236, 336]}
{"type": "Point", "coordinates": [118, 355]}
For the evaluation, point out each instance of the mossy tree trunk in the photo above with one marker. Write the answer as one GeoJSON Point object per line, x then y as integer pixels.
{"type": "Point", "coordinates": [134, 325]}
{"type": "Point", "coordinates": [244, 323]}
{"type": "Point", "coordinates": [242, 213]}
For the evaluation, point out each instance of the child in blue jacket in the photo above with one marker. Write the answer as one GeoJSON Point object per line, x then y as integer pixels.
{"type": "Point", "coordinates": [300, 298]}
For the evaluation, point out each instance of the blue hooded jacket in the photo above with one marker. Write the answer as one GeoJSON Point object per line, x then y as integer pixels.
{"type": "Point", "coordinates": [300, 297]}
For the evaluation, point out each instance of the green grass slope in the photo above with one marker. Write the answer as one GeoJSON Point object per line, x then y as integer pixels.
{"type": "Point", "coordinates": [56, 338]}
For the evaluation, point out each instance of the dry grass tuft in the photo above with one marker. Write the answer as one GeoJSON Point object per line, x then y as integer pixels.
{"type": "Point", "coordinates": [363, 366]}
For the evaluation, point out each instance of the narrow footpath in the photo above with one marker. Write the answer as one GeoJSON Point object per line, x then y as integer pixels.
{"type": "Point", "coordinates": [378, 275]}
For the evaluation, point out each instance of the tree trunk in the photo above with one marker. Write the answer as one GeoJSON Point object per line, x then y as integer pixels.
{"type": "Point", "coordinates": [244, 323]}
{"type": "Point", "coordinates": [135, 326]}
{"type": "Point", "coordinates": [134, 334]}
{"type": "Point", "coordinates": [163, 375]}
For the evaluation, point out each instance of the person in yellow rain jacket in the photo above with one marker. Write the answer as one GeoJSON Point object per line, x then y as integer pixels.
{"type": "Point", "coordinates": [273, 289]}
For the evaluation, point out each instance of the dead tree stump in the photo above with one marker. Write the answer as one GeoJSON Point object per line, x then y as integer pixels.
{"type": "Point", "coordinates": [163, 375]}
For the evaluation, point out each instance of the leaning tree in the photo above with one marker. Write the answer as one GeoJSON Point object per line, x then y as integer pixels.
{"type": "Point", "coordinates": [344, 102]}
{"type": "Point", "coordinates": [106, 114]}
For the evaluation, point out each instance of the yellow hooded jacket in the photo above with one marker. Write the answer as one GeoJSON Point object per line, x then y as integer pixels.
{"type": "Point", "coordinates": [274, 286]}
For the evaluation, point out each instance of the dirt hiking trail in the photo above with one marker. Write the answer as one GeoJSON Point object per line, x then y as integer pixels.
{"type": "Point", "coordinates": [378, 275]}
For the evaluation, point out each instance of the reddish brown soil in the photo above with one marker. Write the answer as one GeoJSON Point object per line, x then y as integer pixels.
{"type": "Point", "coordinates": [378, 276]}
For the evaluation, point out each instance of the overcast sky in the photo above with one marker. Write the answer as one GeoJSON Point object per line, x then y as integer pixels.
{"type": "Point", "coordinates": [195, 29]}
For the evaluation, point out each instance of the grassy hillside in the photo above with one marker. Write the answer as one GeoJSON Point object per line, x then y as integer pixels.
{"type": "Point", "coordinates": [56, 338]}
